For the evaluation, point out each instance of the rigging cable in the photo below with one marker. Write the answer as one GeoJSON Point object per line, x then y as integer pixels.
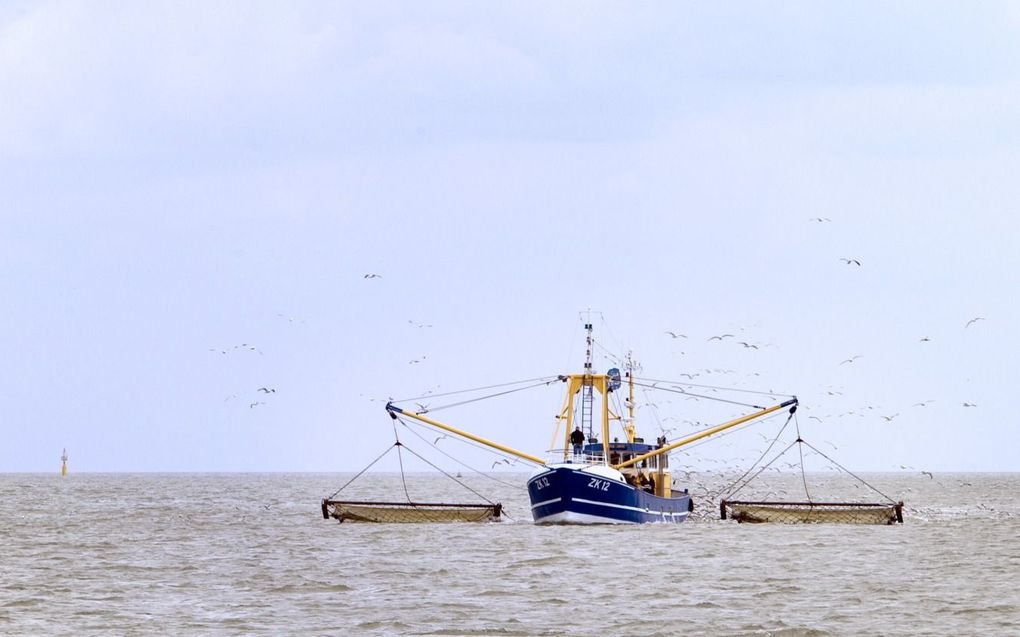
{"type": "Point", "coordinates": [610, 356]}
{"type": "Point", "coordinates": [547, 381]}
{"type": "Point", "coordinates": [602, 317]}
{"type": "Point", "coordinates": [762, 457]}
{"type": "Point", "coordinates": [862, 480]}
{"type": "Point", "coordinates": [653, 407]}
{"type": "Point", "coordinates": [388, 449]}
{"type": "Point", "coordinates": [732, 389]}
{"type": "Point", "coordinates": [400, 458]}
{"type": "Point", "coordinates": [800, 450]}
{"type": "Point", "coordinates": [655, 385]}
{"type": "Point", "coordinates": [723, 434]}
{"type": "Point", "coordinates": [449, 476]}
{"type": "Point", "coordinates": [465, 391]}
{"type": "Point", "coordinates": [465, 465]}
{"type": "Point", "coordinates": [759, 472]}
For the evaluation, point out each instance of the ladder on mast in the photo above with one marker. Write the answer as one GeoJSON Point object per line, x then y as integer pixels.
{"type": "Point", "coordinates": [587, 391]}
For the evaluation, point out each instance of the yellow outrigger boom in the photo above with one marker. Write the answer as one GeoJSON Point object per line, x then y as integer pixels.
{"type": "Point", "coordinates": [595, 478]}
{"type": "Point", "coordinates": [394, 410]}
{"type": "Point", "coordinates": [792, 403]}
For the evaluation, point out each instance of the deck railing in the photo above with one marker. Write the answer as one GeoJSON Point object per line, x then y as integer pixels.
{"type": "Point", "coordinates": [556, 456]}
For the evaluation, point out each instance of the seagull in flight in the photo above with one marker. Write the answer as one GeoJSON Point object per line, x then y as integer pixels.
{"type": "Point", "coordinates": [820, 219]}
{"type": "Point", "coordinates": [372, 276]}
{"type": "Point", "coordinates": [719, 338]}
{"type": "Point", "coordinates": [966, 404]}
{"type": "Point", "coordinates": [851, 261]}
{"type": "Point", "coordinates": [748, 345]}
{"type": "Point", "coordinates": [922, 404]}
{"type": "Point", "coordinates": [676, 335]}
{"type": "Point", "coordinates": [928, 473]}
{"type": "Point", "coordinates": [851, 359]}
{"type": "Point", "coordinates": [973, 320]}
{"type": "Point", "coordinates": [267, 390]}
{"type": "Point", "coordinates": [888, 418]}
{"type": "Point", "coordinates": [925, 340]}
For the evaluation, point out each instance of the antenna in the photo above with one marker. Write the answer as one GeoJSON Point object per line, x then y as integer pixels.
{"type": "Point", "coordinates": [587, 354]}
{"type": "Point", "coordinates": [587, 390]}
{"type": "Point", "coordinates": [585, 315]}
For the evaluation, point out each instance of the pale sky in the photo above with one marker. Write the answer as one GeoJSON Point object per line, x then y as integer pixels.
{"type": "Point", "coordinates": [181, 178]}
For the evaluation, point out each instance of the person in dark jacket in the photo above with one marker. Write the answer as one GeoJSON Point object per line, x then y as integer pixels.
{"type": "Point", "coordinates": [577, 439]}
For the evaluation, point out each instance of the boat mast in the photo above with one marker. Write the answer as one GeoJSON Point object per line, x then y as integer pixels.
{"type": "Point", "coordinates": [587, 390]}
{"type": "Point", "coordinates": [628, 427]}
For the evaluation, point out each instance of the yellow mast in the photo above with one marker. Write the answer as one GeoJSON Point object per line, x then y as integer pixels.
{"type": "Point", "coordinates": [601, 383]}
{"type": "Point", "coordinates": [629, 427]}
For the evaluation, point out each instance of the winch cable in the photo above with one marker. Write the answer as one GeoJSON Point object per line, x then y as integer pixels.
{"type": "Point", "coordinates": [719, 436]}
{"type": "Point", "coordinates": [476, 389]}
{"type": "Point", "coordinates": [758, 472]}
{"type": "Point", "coordinates": [654, 385]}
{"type": "Point", "coordinates": [610, 356]}
{"type": "Point", "coordinates": [388, 449]}
{"type": "Point", "coordinates": [659, 381]}
{"type": "Point", "coordinates": [509, 458]}
{"type": "Point", "coordinates": [800, 450]}
{"type": "Point", "coordinates": [799, 442]}
{"type": "Point", "coordinates": [425, 460]}
{"type": "Point", "coordinates": [400, 458]}
{"type": "Point", "coordinates": [762, 457]}
{"type": "Point", "coordinates": [652, 407]}
{"type": "Point", "coordinates": [842, 468]}
{"type": "Point", "coordinates": [463, 464]}
{"type": "Point", "coordinates": [547, 381]}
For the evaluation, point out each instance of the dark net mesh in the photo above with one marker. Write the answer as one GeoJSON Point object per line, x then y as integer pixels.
{"type": "Point", "coordinates": [409, 512]}
{"type": "Point", "coordinates": [811, 512]}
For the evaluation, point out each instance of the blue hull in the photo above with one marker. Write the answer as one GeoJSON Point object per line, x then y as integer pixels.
{"type": "Point", "coordinates": [568, 495]}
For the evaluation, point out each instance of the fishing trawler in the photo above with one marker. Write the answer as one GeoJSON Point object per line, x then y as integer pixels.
{"type": "Point", "coordinates": [591, 480]}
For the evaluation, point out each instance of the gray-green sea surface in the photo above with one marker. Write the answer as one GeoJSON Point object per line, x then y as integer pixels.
{"type": "Point", "coordinates": [250, 554]}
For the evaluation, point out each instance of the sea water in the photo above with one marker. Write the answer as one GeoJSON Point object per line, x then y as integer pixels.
{"type": "Point", "coordinates": [250, 554]}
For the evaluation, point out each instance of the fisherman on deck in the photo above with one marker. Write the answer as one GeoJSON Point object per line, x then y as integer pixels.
{"type": "Point", "coordinates": [577, 439]}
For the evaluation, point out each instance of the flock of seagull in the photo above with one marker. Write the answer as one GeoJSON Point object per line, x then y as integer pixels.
{"type": "Point", "coordinates": [673, 334]}
{"type": "Point", "coordinates": [706, 482]}
{"type": "Point", "coordinates": [926, 339]}
{"type": "Point", "coordinates": [261, 392]}
{"type": "Point", "coordinates": [747, 345]}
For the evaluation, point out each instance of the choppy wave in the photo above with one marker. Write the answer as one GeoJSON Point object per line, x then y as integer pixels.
{"type": "Point", "coordinates": [250, 554]}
